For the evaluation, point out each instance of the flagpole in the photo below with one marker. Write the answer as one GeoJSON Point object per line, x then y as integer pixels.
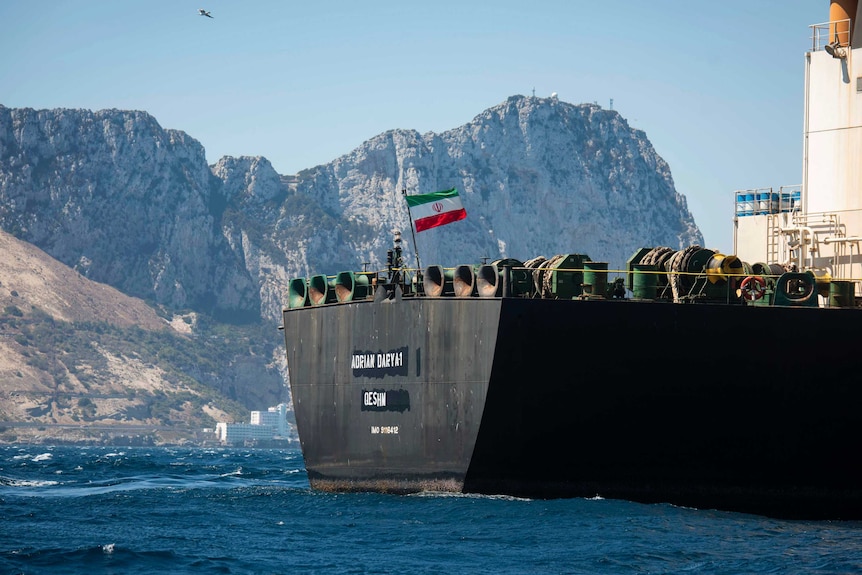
{"type": "Point", "coordinates": [413, 234]}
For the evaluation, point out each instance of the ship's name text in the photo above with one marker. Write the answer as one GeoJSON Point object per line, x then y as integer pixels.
{"type": "Point", "coordinates": [377, 360]}
{"type": "Point", "coordinates": [380, 363]}
{"type": "Point", "coordinates": [374, 399]}
{"type": "Point", "coordinates": [385, 400]}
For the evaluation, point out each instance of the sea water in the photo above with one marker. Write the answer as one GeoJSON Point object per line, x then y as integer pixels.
{"type": "Point", "coordinates": [91, 510]}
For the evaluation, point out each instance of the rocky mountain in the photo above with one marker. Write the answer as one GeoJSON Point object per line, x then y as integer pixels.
{"type": "Point", "coordinates": [80, 360]}
{"type": "Point", "coordinates": [122, 202]}
{"type": "Point", "coordinates": [537, 177]}
{"type": "Point", "coordinates": [127, 203]}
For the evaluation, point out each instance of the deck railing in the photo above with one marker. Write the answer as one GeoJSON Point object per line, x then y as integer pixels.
{"type": "Point", "coordinates": [829, 32]}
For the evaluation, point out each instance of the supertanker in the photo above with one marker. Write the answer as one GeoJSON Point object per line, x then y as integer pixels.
{"type": "Point", "coordinates": [693, 377]}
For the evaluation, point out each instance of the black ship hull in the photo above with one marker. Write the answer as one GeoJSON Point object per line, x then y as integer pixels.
{"type": "Point", "coordinates": [695, 378]}
{"type": "Point", "coordinates": [733, 407]}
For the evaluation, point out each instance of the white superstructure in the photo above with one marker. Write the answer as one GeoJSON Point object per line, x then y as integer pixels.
{"type": "Point", "coordinates": [817, 225]}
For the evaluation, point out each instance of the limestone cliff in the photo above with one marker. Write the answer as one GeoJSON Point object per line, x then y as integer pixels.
{"type": "Point", "coordinates": [125, 203]}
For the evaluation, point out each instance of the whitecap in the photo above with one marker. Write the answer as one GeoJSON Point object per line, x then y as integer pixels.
{"type": "Point", "coordinates": [108, 549]}
{"type": "Point", "coordinates": [467, 495]}
{"type": "Point", "coordinates": [43, 457]}
{"type": "Point", "coordinates": [28, 482]}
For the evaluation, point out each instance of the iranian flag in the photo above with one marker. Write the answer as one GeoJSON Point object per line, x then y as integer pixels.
{"type": "Point", "coordinates": [438, 209]}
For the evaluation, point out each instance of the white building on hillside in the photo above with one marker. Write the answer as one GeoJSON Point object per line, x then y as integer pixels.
{"type": "Point", "coordinates": [264, 426]}
{"type": "Point", "coordinates": [242, 432]}
{"type": "Point", "coordinates": [275, 417]}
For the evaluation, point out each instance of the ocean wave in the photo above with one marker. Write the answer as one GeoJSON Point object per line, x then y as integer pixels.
{"type": "Point", "coordinates": [11, 482]}
{"type": "Point", "coordinates": [95, 470]}
{"type": "Point", "coordinates": [23, 456]}
{"type": "Point", "coordinates": [114, 454]}
{"type": "Point", "coordinates": [235, 473]}
{"type": "Point", "coordinates": [138, 514]}
{"type": "Point", "coordinates": [110, 558]}
{"type": "Point", "coordinates": [442, 494]}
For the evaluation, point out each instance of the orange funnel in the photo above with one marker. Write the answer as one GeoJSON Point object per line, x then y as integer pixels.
{"type": "Point", "coordinates": [840, 30]}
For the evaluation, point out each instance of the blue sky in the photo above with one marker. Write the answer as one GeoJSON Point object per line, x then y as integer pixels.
{"type": "Point", "coordinates": [717, 87]}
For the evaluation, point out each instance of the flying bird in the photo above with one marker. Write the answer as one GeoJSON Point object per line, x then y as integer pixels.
{"type": "Point", "coordinates": [203, 12]}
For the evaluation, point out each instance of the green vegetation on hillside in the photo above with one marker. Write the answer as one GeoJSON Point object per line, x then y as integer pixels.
{"type": "Point", "coordinates": [206, 368]}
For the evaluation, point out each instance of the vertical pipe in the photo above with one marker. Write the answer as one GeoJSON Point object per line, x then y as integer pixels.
{"type": "Point", "coordinates": [803, 196]}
